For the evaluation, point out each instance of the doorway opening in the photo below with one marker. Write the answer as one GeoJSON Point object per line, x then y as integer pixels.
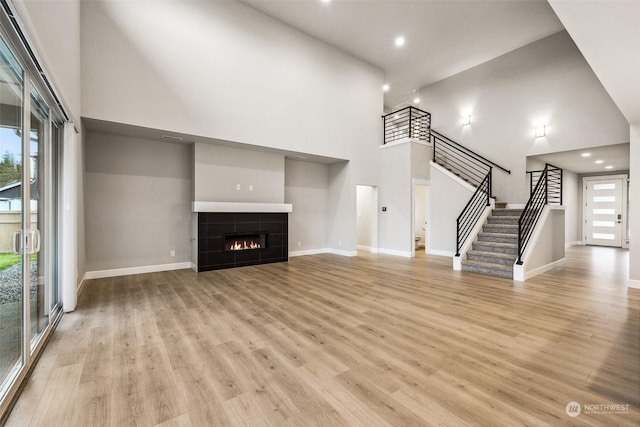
{"type": "Point", "coordinates": [367, 217]}
{"type": "Point", "coordinates": [420, 203]}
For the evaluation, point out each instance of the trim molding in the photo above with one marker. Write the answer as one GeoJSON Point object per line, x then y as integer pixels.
{"type": "Point", "coordinates": [199, 206]}
{"type": "Point", "coordinates": [394, 252]}
{"type": "Point", "coordinates": [308, 252]}
{"type": "Point", "coordinates": [341, 252]}
{"type": "Point", "coordinates": [519, 275]}
{"type": "Point", "coordinates": [632, 283]}
{"type": "Point", "coordinates": [576, 243]}
{"type": "Point", "coordinates": [442, 253]}
{"type": "Point", "coordinates": [99, 274]}
{"type": "Point", "coordinates": [405, 141]}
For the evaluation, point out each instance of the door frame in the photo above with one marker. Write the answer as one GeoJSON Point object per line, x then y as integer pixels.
{"type": "Point", "coordinates": [625, 205]}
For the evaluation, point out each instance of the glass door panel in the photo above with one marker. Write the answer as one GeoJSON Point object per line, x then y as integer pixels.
{"type": "Point", "coordinates": [36, 234]}
{"type": "Point", "coordinates": [11, 219]}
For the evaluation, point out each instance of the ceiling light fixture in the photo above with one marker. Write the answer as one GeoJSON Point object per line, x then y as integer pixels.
{"type": "Point", "coordinates": [386, 87]}
{"type": "Point", "coordinates": [540, 131]}
{"type": "Point", "coordinates": [325, 1]}
{"type": "Point", "coordinates": [400, 41]}
{"type": "Point", "coordinates": [597, 162]}
{"type": "Point", "coordinates": [608, 167]}
{"type": "Point", "coordinates": [416, 100]}
{"type": "Point", "coordinates": [586, 154]}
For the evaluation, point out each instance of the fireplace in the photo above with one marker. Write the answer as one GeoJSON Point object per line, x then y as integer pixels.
{"type": "Point", "coordinates": [245, 241]}
{"type": "Point", "coordinates": [227, 240]}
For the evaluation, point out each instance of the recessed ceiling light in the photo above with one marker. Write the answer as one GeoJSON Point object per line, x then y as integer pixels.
{"type": "Point", "coordinates": [400, 41]}
{"type": "Point", "coordinates": [385, 87]}
{"type": "Point", "coordinates": [597, 162]}
{"type": "Point", "coordinates": [586, 154]}
{"type": "Point", "coordinates": [416, 100]}
{"type": "Point", "coordinates": [325, 1]}
{"type": "Point", "coordinates": [608, 167]}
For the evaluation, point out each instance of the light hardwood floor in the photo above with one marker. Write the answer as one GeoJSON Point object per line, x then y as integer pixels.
{"type": "Point", "coordinates": [327, 340]}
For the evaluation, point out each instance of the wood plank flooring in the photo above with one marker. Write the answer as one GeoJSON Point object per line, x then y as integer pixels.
{"type": "Point", "coordinates": [330, 341]}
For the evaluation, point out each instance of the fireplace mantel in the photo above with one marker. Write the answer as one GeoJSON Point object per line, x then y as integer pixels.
{"type": "Point", "coordinates": [241, 207]}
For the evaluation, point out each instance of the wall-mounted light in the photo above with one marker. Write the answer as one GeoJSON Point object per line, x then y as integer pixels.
{"type": "Point", "coordinates": [385, 87]}
{"type": "Point", "coordinates": [540, 131]}
{"type": "Point", "coordinates": [466, 120]}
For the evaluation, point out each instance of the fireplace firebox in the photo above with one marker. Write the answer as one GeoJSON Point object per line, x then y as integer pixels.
{"type": "Point", "coordinates": [245, 242]}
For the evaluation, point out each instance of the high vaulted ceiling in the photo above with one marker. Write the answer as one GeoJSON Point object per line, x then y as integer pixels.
{"type": "Point", "coordinates": [442, 37]}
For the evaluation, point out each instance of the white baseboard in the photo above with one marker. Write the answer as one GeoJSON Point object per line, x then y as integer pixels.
{"type": "Point", "coordinates": [395, 252]}
{"type": "Point", "coordinates": [308, 252]}
{"type": "Point", "coordinates": [342, 253]}
{"type": "Point", "coordinates": [81, 285]}
{"type": "Point", "coordinates": [520, 275]}
{"type": "Point", "coordinates": [576, 243]}
{"type": "Point", "coordinates": [442, 253]}
{"type": "Point", "coordinates": [632, 283]}
{"type": "Point", "coordinates": [367, 248]}
{"type": "Point", "coordinates": [457, 263]}
{"type": "Point", "coordinates": [99, 274]}
{"type": "Point", "coordinates": [194, 267]}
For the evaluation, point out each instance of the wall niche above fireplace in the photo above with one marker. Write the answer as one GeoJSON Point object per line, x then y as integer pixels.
{"type": "Point", "coordinates": [227, 240]}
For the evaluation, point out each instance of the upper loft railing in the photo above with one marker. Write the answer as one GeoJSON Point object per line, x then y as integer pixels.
{"type": "Point", "coordinates": [410, 122]}
{"type": "Point", "coordinates": [547, 191]}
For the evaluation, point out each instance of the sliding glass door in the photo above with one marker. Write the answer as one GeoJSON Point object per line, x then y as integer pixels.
{"type": "Point", "coordinates": [29, 295]}
{"type": "Point", "coordinates": [11, 219]}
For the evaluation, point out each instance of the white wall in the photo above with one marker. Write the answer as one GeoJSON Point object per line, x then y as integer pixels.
{"type": "Point", "coordinates": [634, 206]}
{"type": "Point", "coordinates": [547, 247]}
{"type": "Point", "coordinates": [224, 70]}
{"type": "Point", "coordinates": [447, 199]}
{"type": "Point", "coordinates": [548, 82]}
{"type": "Point", "coordinates": [307, 189]}
{"type": "Point", "coordinates": [341, 209]}
{"type": "Point", "coordinates": [137, 202]}
{"type": "Point", "coordinates": [395, 193]}
{"type": "Point", "coordinates": [219, 171]}
{"type": "Point", "coordinates": [571, 189]}
{"type": "Point", "coordinates": [53, 29]}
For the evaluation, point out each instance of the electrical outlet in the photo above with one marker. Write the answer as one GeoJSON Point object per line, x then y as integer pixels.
{"type": "Point", "coordinates": [238, 187]}
{"type": "Point", "coordinates": [250, 187]}
{"type": "Point", "coordinates": [339, 242]}
{"type": "Point", "coordinates": [299, 243]}
{"type": "Point", "coordinates": [172, 253]}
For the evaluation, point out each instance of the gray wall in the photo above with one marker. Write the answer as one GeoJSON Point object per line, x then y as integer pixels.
{"type": "Point", "coordinates": [137, 202]}
{"type": "Point", "coordinates": [545, 82]}
{"type": "Point", "coordinates": [218, 171]}
{"type": "Point", "coordinates": [307, 188]}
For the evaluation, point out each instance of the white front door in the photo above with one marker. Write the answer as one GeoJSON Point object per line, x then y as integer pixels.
{"type": "Point", "coordinates": [604, 211]}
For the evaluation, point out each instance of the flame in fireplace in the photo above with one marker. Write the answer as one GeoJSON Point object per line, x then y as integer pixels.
{"type": "Point", "coordinates": [244, 245]}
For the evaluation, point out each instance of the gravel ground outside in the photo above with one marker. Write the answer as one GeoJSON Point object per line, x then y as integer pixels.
{"type": "Point", "coordinates": [11, 283]}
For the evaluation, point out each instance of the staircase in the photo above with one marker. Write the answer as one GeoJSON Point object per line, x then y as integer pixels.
{"type": "Point", "coordinates": [496, 249]}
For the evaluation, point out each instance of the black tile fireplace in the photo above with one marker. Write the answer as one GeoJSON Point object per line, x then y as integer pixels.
{"type": "Point", "coordinates": [227, 240]}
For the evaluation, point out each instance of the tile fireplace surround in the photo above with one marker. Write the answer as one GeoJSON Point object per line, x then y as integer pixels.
{"type": "Point", "coordinates": [214, 228]}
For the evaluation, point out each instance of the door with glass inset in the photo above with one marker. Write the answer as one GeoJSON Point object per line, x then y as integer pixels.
{"type": "Point", "coordinates": [604, 211]}
{"type": "Point", "coordinates": [12, 316]}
